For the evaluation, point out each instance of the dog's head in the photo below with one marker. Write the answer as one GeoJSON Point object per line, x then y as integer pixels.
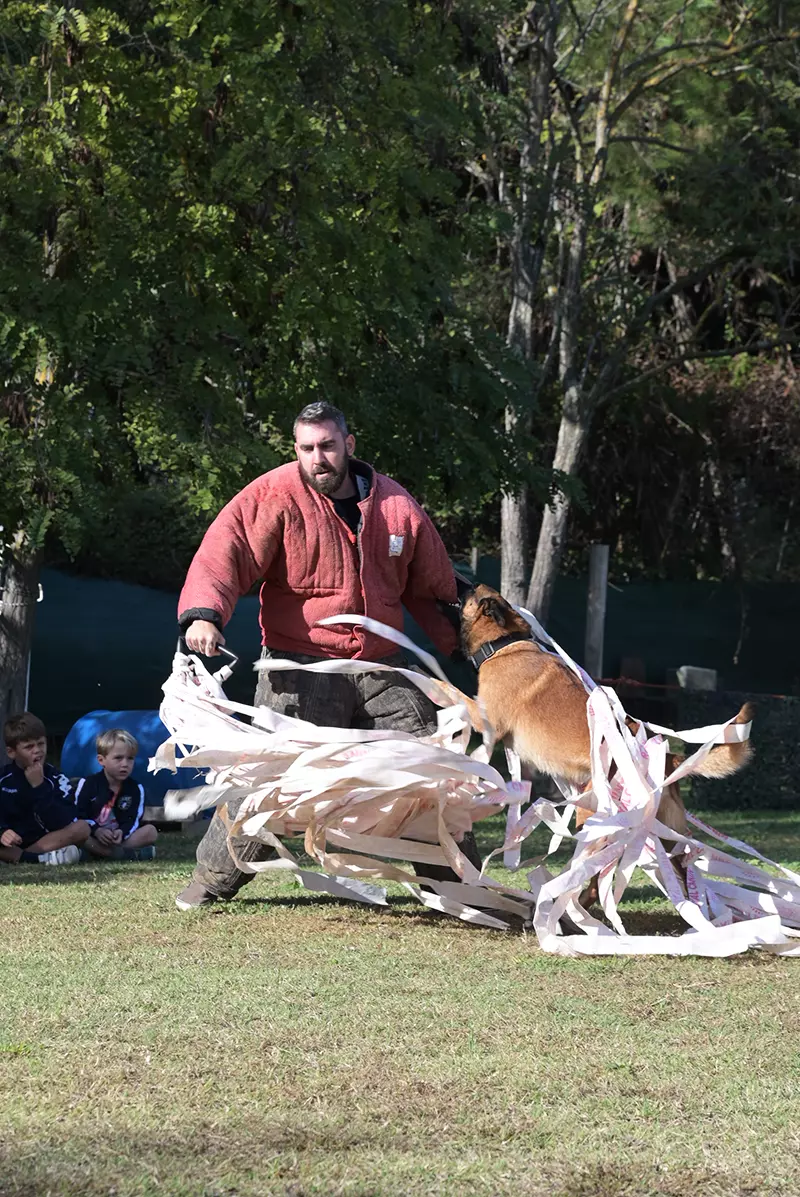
{"type": "Point", "coordinates": [485, 616]}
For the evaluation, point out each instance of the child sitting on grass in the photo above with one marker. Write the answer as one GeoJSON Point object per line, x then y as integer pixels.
{"type": "Point", "coordinates": [113, 803]}
{"type": "Point", "coordinates": [38, 821]}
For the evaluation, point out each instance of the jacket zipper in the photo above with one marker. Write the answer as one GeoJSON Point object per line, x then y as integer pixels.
{"type": "Point", "coordinates": [361, 575]}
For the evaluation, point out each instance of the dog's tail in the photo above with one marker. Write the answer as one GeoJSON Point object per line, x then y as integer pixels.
{"type": "Point", "coordinates": [725, 759]}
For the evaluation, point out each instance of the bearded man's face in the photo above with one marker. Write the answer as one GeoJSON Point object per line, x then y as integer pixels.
{"type": "Point", "coordinates": [324, 455]}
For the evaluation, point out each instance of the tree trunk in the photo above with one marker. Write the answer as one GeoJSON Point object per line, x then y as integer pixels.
{"type": "Point", "coordinates": [514, 507]}
{"type": "Point", "coordinates": [784, 541]}
{"type": "Point", "coordinates": [514, 546]}
{"type": "Point", "coordinates": [578, 406]}
{"type": "Point", "coordinates": [20, 588]}
{"type": "Point", "coordinates": [534, 195]}
{"type": "Point", "coordinates": [572, 437]}
{"type": "Point", "coordinates": [514, 534]}
{"type": "Point", "coordinates": [573, 431]}
{"type": "Point", "coordinates": [684, 319]}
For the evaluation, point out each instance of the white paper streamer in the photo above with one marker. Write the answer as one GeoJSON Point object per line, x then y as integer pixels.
{"type": "Point", "coordinates": [384, 796]}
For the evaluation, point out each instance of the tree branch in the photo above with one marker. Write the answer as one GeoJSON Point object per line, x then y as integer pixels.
{"type": "Point", "coordinates": [667, 145]}
{"type": "Point", "coordinates": [681, 283]}
{"type": "Point", "coordinates": [698, 356]}
{"type": "Point", "coordinates": [690, 64]}
{"type": "Point", "coordinates": [615, 359]}
{"type": "Point", "coordinates": [602, 122]}
{"type": "Point", "coordinates": [695, 44]}
{"type": "Point", "coordinates": [584, 32]}
{"type": "Point", "coordinates": [573, 122]}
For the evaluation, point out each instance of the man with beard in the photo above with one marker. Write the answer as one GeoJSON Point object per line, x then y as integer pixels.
{"type": "Point", "coordinates": [328, 535]}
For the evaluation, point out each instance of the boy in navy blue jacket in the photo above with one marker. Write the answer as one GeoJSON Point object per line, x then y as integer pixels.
{"type": "Point", "coordinates": [113, 803]}
{"type": "Point", "coordinates": [37, 812]}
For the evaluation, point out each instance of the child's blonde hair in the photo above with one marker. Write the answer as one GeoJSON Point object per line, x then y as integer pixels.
{"type": "Point", "coordinates": [116, 735]}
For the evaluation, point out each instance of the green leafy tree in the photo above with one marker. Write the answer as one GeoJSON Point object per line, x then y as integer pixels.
{"type": "Point", "coordinates": [211, 215]}
{"type": "Point", "coordinates": [601, 121]}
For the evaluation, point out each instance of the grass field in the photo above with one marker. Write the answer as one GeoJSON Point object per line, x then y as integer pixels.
{"type": "Point", "coordinates": [290, 1044]}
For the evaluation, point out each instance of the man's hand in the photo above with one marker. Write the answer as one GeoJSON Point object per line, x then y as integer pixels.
{"type": "Point", "coordinates": [10, 839]}
{"type": "Point", "coordinates": [104, 836]}
{"type": "Point", "coordinates": [34, 775]}
{"type": "Point", "coordinates": [202, 637]}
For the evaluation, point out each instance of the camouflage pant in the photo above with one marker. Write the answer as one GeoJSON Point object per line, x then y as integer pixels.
{"type": "Point", "coordinates": [361, 700]}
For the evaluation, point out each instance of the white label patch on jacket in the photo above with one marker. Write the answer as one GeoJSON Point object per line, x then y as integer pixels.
{"type": "Point", "coordinates": [395, 546]}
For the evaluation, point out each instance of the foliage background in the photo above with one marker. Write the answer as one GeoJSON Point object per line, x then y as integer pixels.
{"type": "Point", "coordinates": [460, 222]}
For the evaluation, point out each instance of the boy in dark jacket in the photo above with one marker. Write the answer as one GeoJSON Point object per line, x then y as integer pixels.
{"type": "Point", "coordinates": [37, 811]}
{"type": "Point", "coordinates": [113, 803]}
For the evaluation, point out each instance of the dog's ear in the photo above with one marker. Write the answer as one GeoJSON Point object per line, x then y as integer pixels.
{"type": "Point", "coordinates": [493, 608]}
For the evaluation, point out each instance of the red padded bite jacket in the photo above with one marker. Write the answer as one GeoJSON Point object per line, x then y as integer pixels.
{"type": "Point", "coordinates": [281, 530]}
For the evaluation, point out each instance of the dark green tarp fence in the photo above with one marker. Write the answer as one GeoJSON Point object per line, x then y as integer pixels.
{"type": "Point", "coordinates": [101, 644]}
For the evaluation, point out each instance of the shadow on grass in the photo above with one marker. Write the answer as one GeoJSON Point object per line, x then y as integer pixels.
{"type": "Point", "coordinates": [301, 1158]}
{"type": "Point", "coordinates": [397, 907]}
{"type": "Point", "coordinates": [652, 922]}
{"type": "Point", "coordinates": [642, 893]}
{"type": "Point", "coordinates": [49, 875]}
{"type": "Point", "coordinates": [625, 1180]}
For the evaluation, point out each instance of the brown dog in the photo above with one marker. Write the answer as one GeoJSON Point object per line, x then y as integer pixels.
{"type": "Point", "coordinates": [538, 706]}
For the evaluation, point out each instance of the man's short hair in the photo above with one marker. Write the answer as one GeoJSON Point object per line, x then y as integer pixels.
{"type": "Point", "coordinates": [319, 413]}
{"type": "Point", "coordinates": [20, 728]}
{"type": "Point", "coordinates": [115, 735]}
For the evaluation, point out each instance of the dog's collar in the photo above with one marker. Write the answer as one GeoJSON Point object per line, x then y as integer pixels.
{"type": "Point", "coordinates": [493, 646]}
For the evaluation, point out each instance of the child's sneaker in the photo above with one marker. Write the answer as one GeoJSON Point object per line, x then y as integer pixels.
{"type": "Point", "coordinates": [58, 856]}
{"type": "Point", "coordinates": [148, 852]}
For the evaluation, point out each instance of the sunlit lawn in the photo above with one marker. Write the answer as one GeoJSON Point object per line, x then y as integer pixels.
{"type": "Point", "coordinates": [291, 1044]}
